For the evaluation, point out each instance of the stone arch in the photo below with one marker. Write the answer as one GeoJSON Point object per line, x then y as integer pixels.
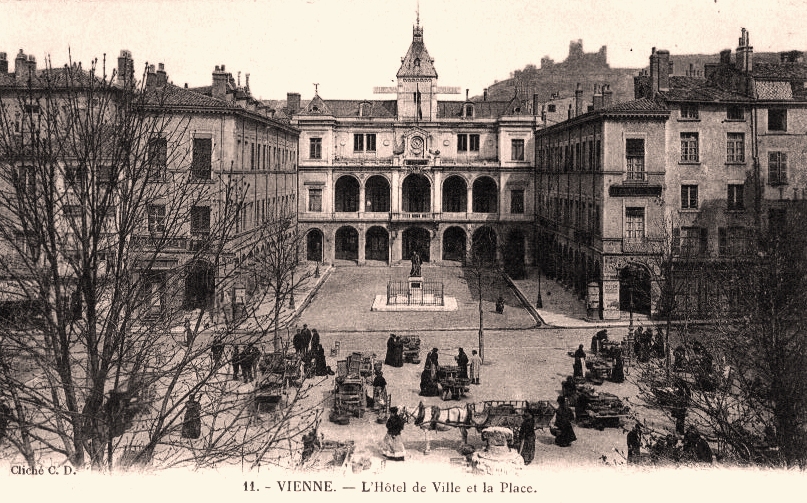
{"type": "Point", "coordinates": [485, 195]}
{"type": "Point", "coordinates": [635, 288]}
{"type": "Point", "coordinates": [346, 194]}
{"type": "Point", "coordinates": [416, 194]}
{"type": "Point", "coordinates": [347, 243]}
{"type": "Point", "coordinates": [376, 244]}
{"type": "Point", "coordinates": [377, 194]}
{"type": "Point", "coordinates": [314, 242]}
{"type": "Point", "coordinates": [454, 244]}
{"type": "Point", "coordinates": [417, 239]}
{"type": "Point", "coordinates": [455, 194]}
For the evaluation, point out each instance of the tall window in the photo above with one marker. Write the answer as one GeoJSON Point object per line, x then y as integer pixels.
{"type": "Point", "coordinates": [634, 156]}
{"type": "Point", "coordinates": [315, 200]}
{"type": "Point", "coordinates": [156, 217]}
{"type": "Point", "coordinates": [777, 168]}
{"type": "Point", "coordinates": [517, 150]}
{"type": "Point", "coordinates": [358, 143]}
{"type": "Point", "coordinates": [200, 220]}
{"type": "Point", "coordinates": [467, 143]}
{"type": "Point", "coordinates": [735, 147]}
{"type": "Point", "coordinates": [473, 142]}
{"type": "Point", "coordinates": [517, 201]}
{"type": "Point", "coordinates": [734, 197]}
{"type": "Point", "coordinates": [634, 224]}
{"type": "Point", "coordinates": [364, 142]}
{"type": "Point", "coordinates": [689, 147]}
{"type": "Point", "coordinates": [689, 197]}
{"type": "Point", "coordinates": [689, 111]}
{"type": "Point", "coordinates": [777, 119]}
{"type": "Point", "coordinates": [202, 158]}
{"type": "Point", "coordinates": [315, 148]}
{"type": "Point", "coordinates": [157, 157]}
{"type": "Point", "coordinates": [462, 143]}
{"type": "Point", "coordinates": [468, 111]}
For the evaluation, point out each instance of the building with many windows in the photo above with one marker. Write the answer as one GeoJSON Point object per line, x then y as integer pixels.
{"type": "Point", "coordinates": [381, 179]}
{"type": "Point", "coordinates": [686, 176]}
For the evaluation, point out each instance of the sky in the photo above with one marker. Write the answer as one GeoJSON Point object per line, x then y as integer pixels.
{"type": "Point", "coordinates": [350, 46]}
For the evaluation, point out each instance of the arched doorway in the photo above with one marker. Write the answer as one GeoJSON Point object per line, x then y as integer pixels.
{"type": "Point", "coordinates": [514, 255]}
{"type": "Point", "coordinates": [376, 194]}
{"type": "Point", "coordinates": [346, 194]}
{"type": "Point", "coordinates": [634, 289]}
{"type": "Point", "coordinates": [347, 243]}
{"type": "Point", "coordinates": [455, 195]}
{"type": "Point", "coordinates": [416, 194]}
{"type": "Point", "coordinates": [485, 195]}
{"type": "Point", "coordinates": [484, 246]}
{"type": "Point", "coordinates": [200, 285]}
{"type": "Point", "coordinates": [376, 244]}
{"type": "Point", "coordinates": [416, 239]}
{"type": "Point", "coordinates": [454, 244]}
{"type": "Point", "coordinates": [313, 245]}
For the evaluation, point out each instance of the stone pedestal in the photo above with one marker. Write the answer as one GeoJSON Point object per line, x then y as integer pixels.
{"type": "Point", "coordinates": [415, 289]}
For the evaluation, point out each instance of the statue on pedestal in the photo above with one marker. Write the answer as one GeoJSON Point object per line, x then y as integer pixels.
{"type": "Point", "coordinates": [416, 263]}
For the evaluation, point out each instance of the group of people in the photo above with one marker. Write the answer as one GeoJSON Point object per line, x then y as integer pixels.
{"type": "Point", "coordinates": [305, 340]}
{"type": "Point", "coordinates": [469, 368]}
{"type": "Point", "coordinates": [245, 361]}
{"type": "Point", "coordinates": [306, 343]}
{"type": "Point", "coordinates": [648, 344]}
{"type": "Point", "coordinates": [394, 356]}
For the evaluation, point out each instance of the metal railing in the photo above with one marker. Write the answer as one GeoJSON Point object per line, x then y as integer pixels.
{"type": "Point", "coordinates": [430, 293]}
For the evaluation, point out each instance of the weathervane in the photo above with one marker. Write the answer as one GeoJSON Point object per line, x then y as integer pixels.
{"type": "Point", "coordinates": [417, 13]}
{"type": "Point", "coordinates": [316, 88]}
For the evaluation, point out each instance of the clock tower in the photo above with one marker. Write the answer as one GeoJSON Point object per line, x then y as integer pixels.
{"type": "Point", "coordinates": [417, 82]}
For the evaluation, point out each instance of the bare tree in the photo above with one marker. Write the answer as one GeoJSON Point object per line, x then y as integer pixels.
{"type": "Point", "coordinates": [106, 226]}
{"type": "Point", "coordinates": [480, 266]}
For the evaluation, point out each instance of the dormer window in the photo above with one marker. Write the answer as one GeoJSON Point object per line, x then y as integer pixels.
{"type": "Point", "coordinates": [315, 108]}
{"type": "Point", "coordinates": [364, 109]}
{"type": "Point", "coordinates": [468, 111]}
{"type": "Point", "coordinates": [417, 62]}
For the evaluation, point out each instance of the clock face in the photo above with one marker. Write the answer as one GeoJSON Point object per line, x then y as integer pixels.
{"type": "Point", "coordinates": [417, 145]}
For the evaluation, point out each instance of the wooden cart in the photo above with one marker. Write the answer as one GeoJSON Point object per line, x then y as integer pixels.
{"type": "Point", "coordinates": [411, 348]}
{"type": "Point", "coordinates": [509, 414]}
{"type": "Point", "coordinates": [349, 397]}
{"type": "Point", "coordinates": [452, 385]}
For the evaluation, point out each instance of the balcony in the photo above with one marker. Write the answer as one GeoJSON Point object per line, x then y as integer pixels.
{"type": "Point", "coordinates": [415, 217]}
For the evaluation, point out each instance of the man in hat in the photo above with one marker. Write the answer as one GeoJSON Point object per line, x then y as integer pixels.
{"type": "Point", "coordinates": [393, 447]}
{"type": "Point", "coordinates": [306, 339]}
{"type": "Point", "coordinates": [476, 367]}
{"type": "Point", "coordinates": [634, 443]}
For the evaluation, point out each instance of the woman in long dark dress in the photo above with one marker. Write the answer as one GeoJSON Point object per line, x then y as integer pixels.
{"type": "Point", "coordinates": [390, 357]}
{"type": "Point", "coordinates": [563, 423]}
{"type": "Point", "coordinates": [526, 436]}
{"type": "Point", "coordinates": [618, 372]}
{"type": "Point", "coordinates": [397, 352]}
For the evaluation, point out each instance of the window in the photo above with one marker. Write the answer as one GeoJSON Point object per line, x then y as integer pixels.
{"type": "Point", "coordinates": [689, 111]}
{"type": "Point", "coordinates": [467, 142]}
{"type": "Point", "coordinates": [732, 241]}
{"type": "Point", "coordinates": [358, 143]}
{"type": "Point", "coordinates": [735, 114]}
{"type": "Point", "coordinates": [517, 201]}
{"type": "Point", "coordinates": [517, 150]}
{"type": "Point", "coordinates": [315, 200]}
{"type": "Point", "coordinates": [156, 216]}
{"type": "Point", "coordinates": [634, 224]}
{"type": "Point", "coordinates": [690, 241]}
{"type": "Point", "coordinates": [734, 197]}
{"type": "Point", "coordinates": [551, 108]}
{"type": "Point", "coordinates": [157, 158]}
{"type": "Point", "coordinates": [689, 147]}
{"type": "Point", "coordinates": [370, 142]}
{"type": "Point", "coordinates": [25, 180]}
{"type": "Point", "coordinates": [202, 158]}
{"type": "Point", "coordinates": [689, 197]}
{"type": "Point", "coordinates": [200, 220]}
{"type": "Point", "coordinates": [735, 147]}
{"type": "Point", "coordinates": [634, 156]}
{"type": "Point", "coordinates": [315, 148]}
{"type": "Point", "coordinates": [777, 119]}
{"type": "Point", "coordinates": [777, 168]}
{"type": "Point", "coordinates": [468, 111]}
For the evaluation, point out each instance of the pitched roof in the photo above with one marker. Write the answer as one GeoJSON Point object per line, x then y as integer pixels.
{"type": "Point", "coordinates": [643, 105]}
{"type": "Point", "coordinates": [482, 109]}
{"type": "Point", "coordinates": [697, 89]}
{"type": "Point", "coordinates": [417, 62]}
{"type": "Point", "coordinates": [780, 71]}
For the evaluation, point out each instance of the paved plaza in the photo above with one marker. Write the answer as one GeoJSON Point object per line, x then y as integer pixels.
{"type": "Point", "coordinates": [522, 361]}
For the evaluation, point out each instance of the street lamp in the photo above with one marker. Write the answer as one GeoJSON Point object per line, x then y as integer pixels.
{"type": "Point", "coordinates": [291, 298]}
{"type": "Point", "coordinates": [539, 303]}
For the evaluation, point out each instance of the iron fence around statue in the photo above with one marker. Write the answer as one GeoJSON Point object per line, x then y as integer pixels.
{"type": "Point", "coordinates": [430, 293]}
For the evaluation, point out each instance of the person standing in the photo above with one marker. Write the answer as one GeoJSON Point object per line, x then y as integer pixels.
{"type": "Point", "coordinates": [393, 447]}
{"type": "Point", "coordinates": [432, 363]}
{"type": "Point", "coordinates": [462, 362]}
{"type": "Point", "coordinates": [314, 338]}
{"type": "Point", "coordinates": [192, 424]}
{"type": "Point", "coordinates": [307, 339]}
{"type": "Point", "coordinates": [235, 360]}
{"type": "Point", "coordinates": [579, 356]}
{"type": "Point", "coordinates": [476, 367]}
{"type": "Point", "coordinates": [526, 437]}
{"type": "Point", "coordinates": [564, 433]}
{"type": "Point", "coordinates": [390, 357]}
{"type": "Point", "coordinates": [217, 350]}
{"type": "Point", "coordinates": [297, 341]}
{"type": "Point", "coordinates": [379, 391]}
{"type": "Point", "coordinates": [634, 443]}
{"type": "Point", "coordinates": [618, 372]}
{"type": "Point", "coordinates": [188, 332]}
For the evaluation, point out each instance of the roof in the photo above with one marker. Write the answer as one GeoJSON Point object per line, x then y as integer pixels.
{"type": "Point", "coordinates": [52, 77]}
{"type": "Point", "coordinates": [697, 89]}
{"type": "Point", "coordinates": [643, 105]}
{"type": "Point", "coordinates": [779, 71]}
{"type": "Point", "coordinates": [417, 62]}
{"type": "Point", "coordinates": [171, 95]}
{"type": "Point", "coordinates": [482, 109]}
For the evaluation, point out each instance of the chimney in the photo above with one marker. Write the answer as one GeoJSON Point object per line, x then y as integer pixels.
{"type": "Point", "coordinates": [219, 89]}
{"type": "Point", "coordinates": [578, 100]}
{"type": "Point", "coordinates": [151, 76]}
{"type": "Point", "coordinates": [125, 67]}
{"type": "Point", "coordinates": [3, 63]}
{"type": "Point", "coordinates": [162, 77]}
{"type": "Point", "coordinates": [485, 94]}
{"type": "Point", "coordinates": [607, 96]}
{"type": "Point", "coordinates": [32, 64]}
{"type": "Point", "coordinates": [745, 53]}
{"type": "Point", "coordinates": [725, 57]}
{"type": "Point", "coordinates": [569, 112]}
{"type": "Point", "coordinates": [659, 71]}
{"type": "Point", "coordinates": [20, 67]}
{"type": "Point", "coordinates": [293, 102]}
{"type": "Point", "coordinates": [597, 98]}
{"type": "Point", "coordinates": [534, 104]}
